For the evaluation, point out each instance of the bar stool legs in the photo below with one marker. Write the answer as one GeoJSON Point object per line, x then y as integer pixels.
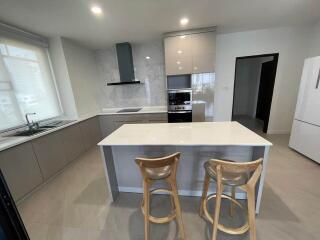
{"type": "Point", "coordinates": [146, 206]}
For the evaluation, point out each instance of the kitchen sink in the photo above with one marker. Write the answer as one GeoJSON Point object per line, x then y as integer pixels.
{"type": "Point", "coordinates": [129, 110]}
{"type": "Point", "coordinates": [29, 132]}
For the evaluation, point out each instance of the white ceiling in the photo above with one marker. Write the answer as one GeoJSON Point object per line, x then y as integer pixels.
{"type": "Point", "coordinates": [141, 20]}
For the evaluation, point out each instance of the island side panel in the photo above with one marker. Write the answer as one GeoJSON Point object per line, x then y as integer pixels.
{"type": "Point", "coordinates": [190, 174]}
{"type": "Point", "coordinates": [110, 171]}
{"type": "Point", "coordinates": [260, 152]}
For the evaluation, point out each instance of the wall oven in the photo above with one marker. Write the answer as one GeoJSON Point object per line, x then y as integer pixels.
{"type": "Point", "coordinates": [179, 105]}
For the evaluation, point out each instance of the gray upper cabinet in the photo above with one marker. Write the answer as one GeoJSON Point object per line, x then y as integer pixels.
{"type": "Point", "coordinates": [73, 145]}
{"type": "Point", "coordinates": [193, 53]}
{"type": "Point", "coordinates": [90, 131]}
{"type": "Point", "coordinates": [21, 170]}
{"type": "Point", "coordinates": [49, 150]}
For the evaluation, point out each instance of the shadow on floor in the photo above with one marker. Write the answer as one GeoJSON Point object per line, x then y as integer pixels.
{"type": "Point", "coordinates": [274, 208]}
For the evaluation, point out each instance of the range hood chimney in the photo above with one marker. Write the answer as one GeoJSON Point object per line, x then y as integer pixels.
{"type": "Point", "coordinates": [125, 64]}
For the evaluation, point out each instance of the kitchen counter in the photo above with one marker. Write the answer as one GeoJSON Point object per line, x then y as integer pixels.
{"type": "Point", "coordinates": [197, 143]}
{"type": "Point", "coordinates": [8, 142]}
{"type": "Point", "coordinates": [185, 134]}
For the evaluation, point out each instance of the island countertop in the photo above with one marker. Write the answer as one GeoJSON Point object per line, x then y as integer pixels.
{"type": "Point", "coordinates": [184, 134]}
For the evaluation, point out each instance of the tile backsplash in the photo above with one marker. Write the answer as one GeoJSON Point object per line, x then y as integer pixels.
{"type": "Point", "coordinates": [151, 72]}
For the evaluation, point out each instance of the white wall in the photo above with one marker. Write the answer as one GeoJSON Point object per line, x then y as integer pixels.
{"type": "Point", "coordinates": [315, 41]}
{"type": "Point", "coordinates": [292, 46]}
{"type": "Point", "coordinates": [151, 72]}
{"type": "Point", "coordinates": [83, 74]}
{"type": "Point", "coordinates": [61, 74]}
{"type": "Point", "coordinates": [76, 75]}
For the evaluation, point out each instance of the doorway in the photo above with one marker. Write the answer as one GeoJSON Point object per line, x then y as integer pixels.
{"type": "Point", "coordinates": [253, 90]}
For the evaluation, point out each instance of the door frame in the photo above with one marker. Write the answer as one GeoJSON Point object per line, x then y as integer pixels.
{"type": "Point", "coordinates": [276, 59]}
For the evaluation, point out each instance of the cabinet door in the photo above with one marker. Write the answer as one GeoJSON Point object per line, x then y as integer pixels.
{"type": "Point", "coordinates": [178, 55]}
{"type": "Point", "coordinates": [21, 170]}
{"type": "Point", "coordinates": [106, 125]}
{"type": "Point", "coordinates": [49, 150]}
{"type": "Point", "coordinates": [157, 117]}
{"type": "Point", "coordinates": [308, 104]}
{"type": "Point", "coordinates": [73, 145]}
{"type": "Point", "coordinates": [203, 52]}
{"type": "Point", "coordinates": [91, 133]}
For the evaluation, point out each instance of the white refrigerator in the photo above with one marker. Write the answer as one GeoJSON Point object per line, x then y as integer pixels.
{"type": "Point", "coordinates": [305, 134]}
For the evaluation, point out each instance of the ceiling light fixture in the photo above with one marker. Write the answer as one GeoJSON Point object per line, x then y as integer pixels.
{"type": "Point", "coordinates": [178, 62]}
{"type": "Point", "coordinates": [96, 10]}
{"type": "Point", "coordinates": [147, 57]}
{"type": "Point", "coordinates": [183, 36]}
{"type": "Point", "coordinates": [184, 21]}
{"type": "Point", "coordinates": [180, 68]}
{"type": "Point", "coordinates": [179, 51]}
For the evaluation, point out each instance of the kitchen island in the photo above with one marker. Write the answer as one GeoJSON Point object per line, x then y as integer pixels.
{"type": "Point", "coordinates": [197, 142]}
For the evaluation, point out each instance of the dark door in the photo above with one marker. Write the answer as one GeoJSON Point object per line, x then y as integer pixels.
{"type": "Point", "coordinates": [267, 78]}
{"type": "Point", "coordinates": [11, 225]}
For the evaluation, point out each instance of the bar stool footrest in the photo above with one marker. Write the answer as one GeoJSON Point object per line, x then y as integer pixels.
{"type": "Point", "coordinates": [160, 220]}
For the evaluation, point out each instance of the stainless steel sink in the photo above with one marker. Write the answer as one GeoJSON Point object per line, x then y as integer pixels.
{"type": "Point", "coordinates": [129, 110]}
{"type": "Point", "coordinates": [29, 132]}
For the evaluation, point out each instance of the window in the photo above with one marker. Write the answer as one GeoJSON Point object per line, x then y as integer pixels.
{"type": "Point", "coordinates": [26, 84]}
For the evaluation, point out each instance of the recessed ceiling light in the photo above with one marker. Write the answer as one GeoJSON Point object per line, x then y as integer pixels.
{"type": "Point", "coordinates": [147, 57]}
{"type": "Point", "coordinates": [183, 36]}
{"type": "Point", "coordinates": [179, 51]}
{"type": "Point", "coordinates": [96, 10]}
{"type": "Point", "coordinates": [184, 21]}
{"type": "Point", "coordinates": [178, 62]}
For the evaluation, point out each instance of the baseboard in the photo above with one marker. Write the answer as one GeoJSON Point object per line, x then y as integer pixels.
{"type": "Point", "coordinates": [189, 193]}
{"type": "Point", "coordinates": [278, 132]}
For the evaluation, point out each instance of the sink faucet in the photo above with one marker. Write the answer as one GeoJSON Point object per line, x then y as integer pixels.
{"type": "Point", "coordinates": [30, 125]}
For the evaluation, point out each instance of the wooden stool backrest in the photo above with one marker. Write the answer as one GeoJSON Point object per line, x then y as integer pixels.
{"type": "Point", "coordinates": [225, 166]}
{"type": "Point", "coordinates": [171, 160]}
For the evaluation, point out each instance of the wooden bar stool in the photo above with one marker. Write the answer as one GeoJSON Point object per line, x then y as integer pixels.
{"type": "Point", "coordinates": [233, 174]}
{"type": "Point", "coordinates": [160, 169]}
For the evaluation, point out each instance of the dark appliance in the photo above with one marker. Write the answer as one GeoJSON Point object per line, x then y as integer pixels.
{"type": "Point", "coordinates": [125, 64]}
{"type": "Point", "coordinates": [179, 105]}
{"type": "Point", "coordinates": [11, 225]}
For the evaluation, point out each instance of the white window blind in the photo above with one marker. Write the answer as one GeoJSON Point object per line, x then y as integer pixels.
{"type": "Point", "coordinates": [26, 84]}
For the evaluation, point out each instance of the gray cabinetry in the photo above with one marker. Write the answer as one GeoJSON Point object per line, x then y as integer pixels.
{"type": "Point", "coordinates": [90, 131]}
{"type": "Point", "coordinates": [109, 123]}
{"type": "Point", "coordinates": [49, 150]}
{"type": "Point", "coordinates": [21, 170]}
{"type": "Point", "coordinates": [73, 145]}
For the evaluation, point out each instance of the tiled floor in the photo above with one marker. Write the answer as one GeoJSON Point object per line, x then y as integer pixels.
{"type": "Point", "coordinates": [73, 205]}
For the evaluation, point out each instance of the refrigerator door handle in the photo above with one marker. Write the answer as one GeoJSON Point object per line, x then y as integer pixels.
{"type": "Point", "coordinates": [318, 80]}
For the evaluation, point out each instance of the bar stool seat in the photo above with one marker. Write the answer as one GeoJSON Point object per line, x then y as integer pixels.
{"type": "Point", "coordinates": [158, 173]}
{"type": "Point", "coordinates": [228, 178]}
{"type": "Point", "coordinates": [152, 170]}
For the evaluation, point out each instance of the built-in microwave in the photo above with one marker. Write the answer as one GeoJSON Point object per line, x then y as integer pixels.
{"type": "Point", "coordinates": [180, 105]}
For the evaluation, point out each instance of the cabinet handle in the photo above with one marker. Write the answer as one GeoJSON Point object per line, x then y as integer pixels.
{"type": "Point", "coordinates": [318, 81]}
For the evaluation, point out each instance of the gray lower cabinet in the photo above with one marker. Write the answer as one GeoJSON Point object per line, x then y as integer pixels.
{"type": "Point", "coordinates": [90, 131]}
{"type": "Point", "coordinates": [21, 169]}
{"type": "Point", "coordinates": [73, 145]}
{"type": "Point", "coordinates": [49, 150]}
{"type": "Point", "coordinates": [109, 123]}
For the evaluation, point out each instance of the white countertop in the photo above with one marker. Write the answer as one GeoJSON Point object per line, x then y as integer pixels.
{"type": "Point", "coordinates": [154, 109]}
{"type": "Point", "coordinates": [184, 134]}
